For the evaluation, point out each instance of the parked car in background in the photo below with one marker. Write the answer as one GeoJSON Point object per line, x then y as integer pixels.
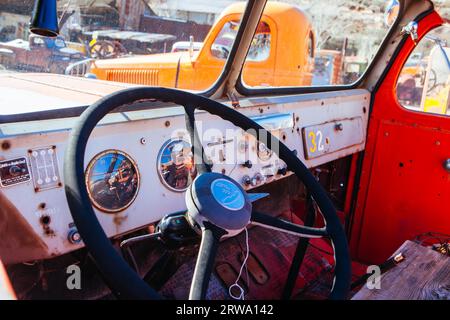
{"type": "Point", "coordinates": [39, 54]}
{"type": "Point", "coordinates": [267, 63]}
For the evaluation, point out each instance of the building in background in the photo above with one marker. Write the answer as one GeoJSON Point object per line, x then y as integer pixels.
{"type": "Point", "coordinates": [198, 11]}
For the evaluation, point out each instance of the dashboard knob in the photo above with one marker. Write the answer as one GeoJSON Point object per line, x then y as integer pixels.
{"type": "Point", "coordinates": [246, 180]}
{"type": "Point", "coordinates": [247, 164]}
{"type": "Point", "coordinates": [257, 178]}
{"type": "Point", "coordinates": [74, 236]}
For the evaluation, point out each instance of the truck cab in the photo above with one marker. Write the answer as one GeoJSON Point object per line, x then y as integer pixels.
{"type": "Point", "coordinates": [268, 63]}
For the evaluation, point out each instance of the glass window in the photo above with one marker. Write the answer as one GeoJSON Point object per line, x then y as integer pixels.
{"type": "Point", "coordinates": [221, 46]}
{"type": "Point", "coordinates": [259, 49]}
{"type": "Point", "coordinates": [320, 42]}
{"type": "Point", "coordinates": [149, 42]}
{"type": "Point", "coordinates": [424, 83]}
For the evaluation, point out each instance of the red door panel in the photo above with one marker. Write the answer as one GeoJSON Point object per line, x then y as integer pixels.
{"type": "Point", "coordinates": [404, 188]}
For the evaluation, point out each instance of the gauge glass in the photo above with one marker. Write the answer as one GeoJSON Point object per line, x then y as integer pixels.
{"type": "Point", "coordinates": [264, 153]}
{"type": "Point", "coordinates": [176, 167]}
{"type": "Point", "coordinates": [112, 180]}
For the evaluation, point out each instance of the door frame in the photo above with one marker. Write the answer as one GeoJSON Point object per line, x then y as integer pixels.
{"type": "Point", "coordinates": [385, 106]}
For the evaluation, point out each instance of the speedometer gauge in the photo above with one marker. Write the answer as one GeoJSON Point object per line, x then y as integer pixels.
{"type": "Point", "coordinates": [112, 180]}
{"type": "Point", "coordinates": [175, 163]}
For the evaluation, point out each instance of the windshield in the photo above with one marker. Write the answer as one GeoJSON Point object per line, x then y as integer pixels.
{"type": "Point", "coordinates": [151, 42]}
{"type": "Point", "coordinates": [319, 42]}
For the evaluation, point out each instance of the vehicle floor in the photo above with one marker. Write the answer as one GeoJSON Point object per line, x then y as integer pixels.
{"type": "Point", "coordinates": [274, 252]}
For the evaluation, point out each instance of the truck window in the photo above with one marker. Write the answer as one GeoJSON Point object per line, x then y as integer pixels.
{"type": "Point", "coordinates": [317, 41]}
{"type": "Point", "coordinates": [424, 83]}
{"type": "Point", "coordinates": [221, 46]}
{"type": "Point", "coordinates": [259, 49]}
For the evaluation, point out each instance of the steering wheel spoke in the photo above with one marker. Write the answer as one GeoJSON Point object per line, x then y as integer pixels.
{"type": "Point", "coordinates": [201, 161]}
{"type": "Point", "coordinates": [211, 235]}
{"type": "Point", "coordinates": [267, 221]}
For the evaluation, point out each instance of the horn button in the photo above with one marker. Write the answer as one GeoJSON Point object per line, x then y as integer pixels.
{"type": "Point", "coordinates": [220, 200]}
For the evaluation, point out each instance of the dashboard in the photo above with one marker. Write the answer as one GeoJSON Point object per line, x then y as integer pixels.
{"type": "Point", "coordinates": [139, 163]}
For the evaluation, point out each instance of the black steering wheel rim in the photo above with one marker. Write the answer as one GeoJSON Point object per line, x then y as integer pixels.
{"type": "Point", "coordinates": [121, 278]}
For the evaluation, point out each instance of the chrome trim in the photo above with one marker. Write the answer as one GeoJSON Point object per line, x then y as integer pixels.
{"type": "Point", "coordinates": [275, 121]}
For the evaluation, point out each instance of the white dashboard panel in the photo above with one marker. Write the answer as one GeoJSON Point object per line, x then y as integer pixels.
{"type": "Point", "coordinates": [142, 139]}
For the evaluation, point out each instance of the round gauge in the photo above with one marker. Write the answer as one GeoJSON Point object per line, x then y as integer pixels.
{"type": "Point", "coordinates": [176, 167]}
{"type": "Point", "coordinates": [112, 180]}
{"type": "Point", "coordinates": [264, 153]}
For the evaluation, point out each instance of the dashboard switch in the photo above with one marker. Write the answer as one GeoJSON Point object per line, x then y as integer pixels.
{"type": "Point", "coordinates": [257, 179]}
{"type": "Point", "coordinates": [247, 164]}
{"type": "Point", "coordinates": [74, 236]}
{"type": "Point", "coordinates": [246, 180]}
{"type": "Point", "coordinates": [282, 171]}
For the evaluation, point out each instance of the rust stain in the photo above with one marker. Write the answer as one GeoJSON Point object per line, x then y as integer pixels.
{"type": "Point", "coordinates": [23, 242]}
{"type": "Point", "coordinates": [6, 145]}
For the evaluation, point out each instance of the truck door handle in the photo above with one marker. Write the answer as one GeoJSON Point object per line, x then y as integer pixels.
{"type": "Point", "coordinates": [446, 165]}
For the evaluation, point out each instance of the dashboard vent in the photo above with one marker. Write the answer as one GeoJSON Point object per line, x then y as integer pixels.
{"type": "Point", "coordinates": [145, 77]}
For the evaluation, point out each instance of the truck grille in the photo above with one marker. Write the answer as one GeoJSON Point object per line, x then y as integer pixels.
{"type": "Point", "coordinates": [146, 77]}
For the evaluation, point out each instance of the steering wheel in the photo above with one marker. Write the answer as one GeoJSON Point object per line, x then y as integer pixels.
{"type": "Point", "coordinates": [217, 205]}
{"type": "Point", "coordinates": [104, 49]}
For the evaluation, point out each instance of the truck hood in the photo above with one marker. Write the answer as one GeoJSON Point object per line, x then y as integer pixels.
{"type": "Point", "coordinates": [28, 93]}
{"type": "Point", "coordinates": [157, 60]}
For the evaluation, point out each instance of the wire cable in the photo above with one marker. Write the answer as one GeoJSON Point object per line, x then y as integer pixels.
{"type": "Point", "coordinates": [241, 295]}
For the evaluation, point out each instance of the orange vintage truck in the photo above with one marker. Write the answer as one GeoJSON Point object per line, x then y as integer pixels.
{"type": "Point", "coordinates": [269, 61]}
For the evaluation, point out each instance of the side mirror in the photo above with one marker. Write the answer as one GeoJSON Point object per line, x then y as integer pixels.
{"type": "Point", "coordinates": [44, 20]}
{"type": "Point", "coordinates": [391, 12]}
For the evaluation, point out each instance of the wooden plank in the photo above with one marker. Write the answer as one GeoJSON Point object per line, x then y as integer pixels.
{"type": "Point", "coordinates": [423, 275]}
